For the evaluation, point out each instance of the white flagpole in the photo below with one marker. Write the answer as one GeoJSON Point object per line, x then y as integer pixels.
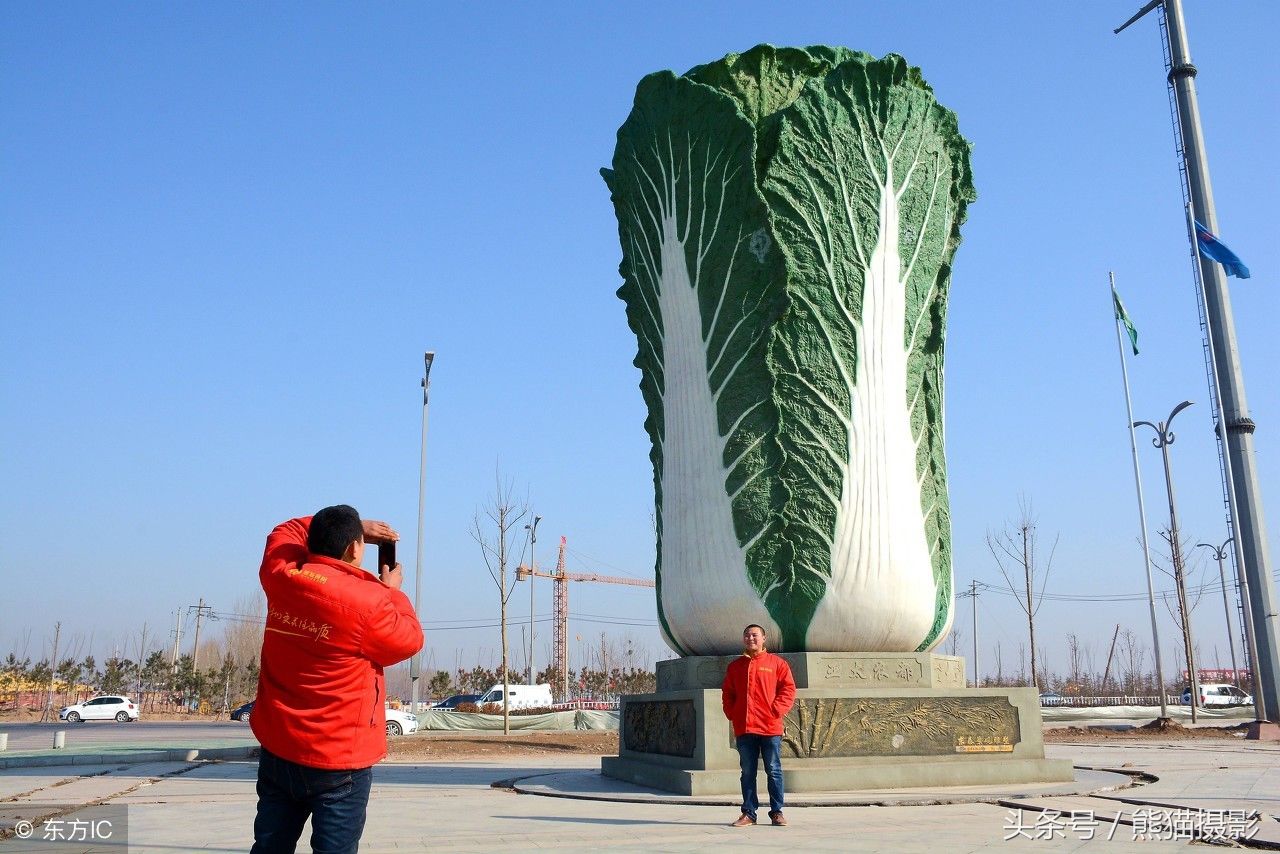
{"type": "Point", "coordinates": [1142, 508]}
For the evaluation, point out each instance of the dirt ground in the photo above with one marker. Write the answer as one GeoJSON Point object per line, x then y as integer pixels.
{"type": "Point", "coordinates": [1153, 730]}
{"type": "Point", "coordinates": [431, 746]}
{"type": "Point", "coordinates": [427, 746]}
{"type": "Point", "coordinates": [439, 745]}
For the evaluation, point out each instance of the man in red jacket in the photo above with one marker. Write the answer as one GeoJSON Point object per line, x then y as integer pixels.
{"type": "Point", "coordinates": [331, 629]}
{"type": "Point", "coordinates": [757, 693]}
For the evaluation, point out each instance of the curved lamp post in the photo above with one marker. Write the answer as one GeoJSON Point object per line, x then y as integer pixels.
{"type": "Point", "coordinates": [532, 528]}
{"type": "Point", "coordinates": [1220, 554]}
{"type": "Point", "coordinates": [415, 663]}
{"type": "Point", "coordinates": [1163, 439]}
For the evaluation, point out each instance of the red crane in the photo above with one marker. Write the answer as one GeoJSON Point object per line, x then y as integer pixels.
{"type": "Point", "coordinates": [561, 612]}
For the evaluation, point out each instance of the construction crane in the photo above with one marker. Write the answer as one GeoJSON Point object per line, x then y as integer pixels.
{"type": "Point", "coordinates": [561, 612]}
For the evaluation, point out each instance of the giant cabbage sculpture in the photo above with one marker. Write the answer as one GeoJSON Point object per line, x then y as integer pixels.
{"type": "Point", "coordinates": [788, 219]}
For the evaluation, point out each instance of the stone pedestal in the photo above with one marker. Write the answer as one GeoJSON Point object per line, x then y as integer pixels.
{"type": "Point", "coordinates": [860, 721]}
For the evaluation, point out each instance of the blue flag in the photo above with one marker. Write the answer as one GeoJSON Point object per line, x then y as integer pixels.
{"type": "Point", "coordinates": [1214, 248]}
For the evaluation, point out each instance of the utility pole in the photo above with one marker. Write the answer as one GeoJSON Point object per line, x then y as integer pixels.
{"type": "Point", "coordinates": [604, 662]}
{"type": "Point", "coordinates": [1107, 671]}
{"type": "Point", "coordinates": [195, 647]}
{"type": "Point", "coordinates": [1235, 428]}
{"type": "Point", "coordinates": [177, 638]}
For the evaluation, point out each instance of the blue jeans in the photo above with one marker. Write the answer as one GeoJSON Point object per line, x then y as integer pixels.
{"type": "Point", "coordinates": [289, 792]}
{"type": "Point", "coordinates": [751, 748]}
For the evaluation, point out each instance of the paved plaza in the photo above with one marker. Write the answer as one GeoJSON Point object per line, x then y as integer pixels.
{"type": "Point", "coordinates": [1191, 785]}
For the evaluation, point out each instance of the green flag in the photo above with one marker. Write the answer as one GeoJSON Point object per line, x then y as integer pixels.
{"type": "Point", "coordinates": [1123, 317]}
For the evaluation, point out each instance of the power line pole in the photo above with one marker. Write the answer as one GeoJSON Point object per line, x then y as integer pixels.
{"type": "Point", "coordinates": [195, 647]}
{"type": "Point", "coordinates": [1107, 670]}
{"type": "Point", "coordinates": [1235, 427]}
{"type": "Point", "coordinates": [177, 638]}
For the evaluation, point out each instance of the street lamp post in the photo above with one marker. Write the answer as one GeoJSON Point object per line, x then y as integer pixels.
{"type": "Point", "coordinates": [1164, 438]}
{"type": "Point", "coordinates": [415, 664]}
{"type": "Point", "coordinates": [533, 566]}
{"type": "Point", "coordinates": [1220, 554]}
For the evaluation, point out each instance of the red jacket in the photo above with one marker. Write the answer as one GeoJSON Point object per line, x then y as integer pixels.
{"type": "Point", "coordinates": [331, 628]}
{"type": "Point", "coordinates": [757, 692]}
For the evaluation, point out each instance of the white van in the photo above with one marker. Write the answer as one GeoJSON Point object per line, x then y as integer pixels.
{"type": "Point", "coordinates": [522, 696]}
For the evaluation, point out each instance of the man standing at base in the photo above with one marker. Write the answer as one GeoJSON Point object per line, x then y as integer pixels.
{"type": "Point", "coordinates": [331, 629]}
{"type": "Point", "coordinates": [757, 693]}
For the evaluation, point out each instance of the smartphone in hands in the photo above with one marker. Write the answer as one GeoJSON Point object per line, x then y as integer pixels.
{"type": "Point", "coordinates": [386, 556]}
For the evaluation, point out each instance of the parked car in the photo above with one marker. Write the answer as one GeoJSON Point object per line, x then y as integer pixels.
{"type": "Point", "coordinates": [455, 701]}
{"type": "Point", "coordinates": [105, 708]}
{"type": "Point", "coordinates": [1218, 694]}
{"type": "Point", "coordinates": [522, 696]}
{"type": "Point", "coordinates": [400, 722]}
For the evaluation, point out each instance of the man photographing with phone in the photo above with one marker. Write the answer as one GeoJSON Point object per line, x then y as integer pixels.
{"type": "Point", "coordinates": [331, 629]}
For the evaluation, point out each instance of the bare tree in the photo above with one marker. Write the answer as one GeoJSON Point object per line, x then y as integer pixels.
{"type": "Point", "coordinates": [1014, 548]}
{"type": "Point", "coordinates": [503, 513]}
{"type": "Point", "coordinates": [1073, 660]}
{"type": "Point", "coordinates": [953, 641]}
{"type": "Point", "coordinates": [1132, 656]}
{"type": "Point", "coordinates": [1186, 601]}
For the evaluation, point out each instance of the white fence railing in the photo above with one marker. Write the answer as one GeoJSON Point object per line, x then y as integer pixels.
{"type": "Point", "coordinates": [1087, 702]}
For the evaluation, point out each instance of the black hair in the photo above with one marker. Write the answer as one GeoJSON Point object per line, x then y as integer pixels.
{"type": "Point", "coordinates": [755, 626]}
{"type": "Point", "coordinates": [333, 529]}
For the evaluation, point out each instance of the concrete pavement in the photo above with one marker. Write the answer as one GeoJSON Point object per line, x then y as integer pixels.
{"type": "Point", "coordinates": [452, 806]}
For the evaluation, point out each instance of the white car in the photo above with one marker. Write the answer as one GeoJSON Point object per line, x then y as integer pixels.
{"type": "Point", "coordinates": [1218, 694]}
{"type": "Point", "coordinates": [106, 708]}
{"type": "Point", "coordinates": [400, 722]}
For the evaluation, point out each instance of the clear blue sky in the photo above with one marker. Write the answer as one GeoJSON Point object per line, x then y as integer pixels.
{"type": "Point", "coordinates": [229, 231]}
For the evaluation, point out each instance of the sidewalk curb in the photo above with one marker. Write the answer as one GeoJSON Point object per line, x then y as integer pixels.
{"type": "Point", "coordinates": [176, 754]}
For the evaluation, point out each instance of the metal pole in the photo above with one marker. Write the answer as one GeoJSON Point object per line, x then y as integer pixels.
{"type": "Point", "coordinates": [1031, 620]}
{"type": "Point", "coordinates": [177, 637]}
{"type": "Point", "coordinates": [195, 645]}
{"type": "Point", "coordinates": [1247, 514]}
{"type": "Point", "coordinates": [1220, 554]}
{"type": "Point", "coordinates": [973, 591]}
{"type": "Point", "coordinates": [1165, 438]}
{"type": "Point", "coordinates": [1111, 654]}
{"type": "Point", "coordinates": [1142, 510]}
{"type": "Point", "coordinates": [533, 567]}
{"type": "Point", "coordinates": [415, 664]}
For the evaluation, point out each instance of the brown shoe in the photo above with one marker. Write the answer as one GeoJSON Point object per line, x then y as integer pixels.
{"type": "Point", "coordinates": [778, 819]}
{"type": "Point", "coordinates": [744, 820]}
